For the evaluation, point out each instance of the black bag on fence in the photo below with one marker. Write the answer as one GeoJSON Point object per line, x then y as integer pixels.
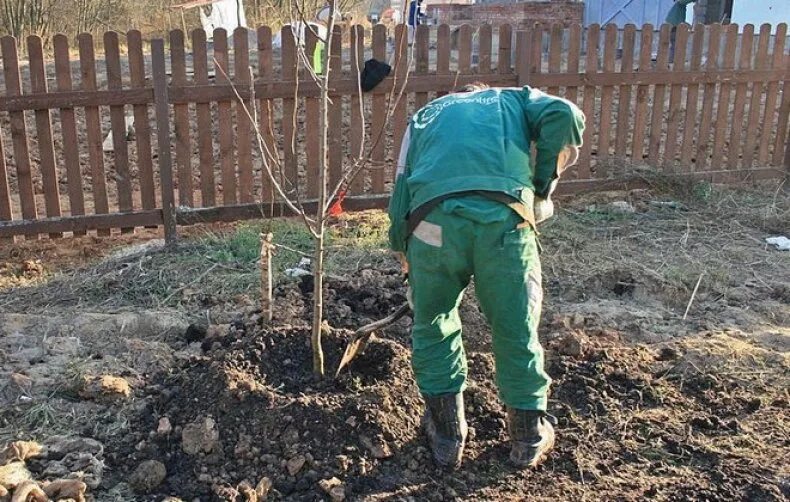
{"type": "Point", "coordinates": [374, 72]}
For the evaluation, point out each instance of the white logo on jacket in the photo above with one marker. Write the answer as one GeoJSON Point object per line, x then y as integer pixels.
{"type": "Point", "coordinates": [429, 112]}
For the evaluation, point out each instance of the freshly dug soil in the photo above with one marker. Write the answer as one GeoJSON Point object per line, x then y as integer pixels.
{"type": "Point", "coordinates": [635, 422]}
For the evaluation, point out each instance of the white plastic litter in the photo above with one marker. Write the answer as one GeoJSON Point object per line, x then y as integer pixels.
{"type": "Point", "coordinates": [299, 31]}
{"type": "Point", "coordinates": [300, 270]}
{"type": "Point", "coordinates": [227, 14]}
{"type": "Point", "coordinates": [781, 242]}
{"type": "Point", "coordinates": [296, 272]}
{"type": "Point", "coordinates": [108, 145]}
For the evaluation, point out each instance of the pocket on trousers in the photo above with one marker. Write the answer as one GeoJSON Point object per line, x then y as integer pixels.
{"type": "Point", "coordinates": [425, 247]}
{"type": "Point", "coordinates": [521, 243]}
{"type": "Point", "coordinates": [429, 233]}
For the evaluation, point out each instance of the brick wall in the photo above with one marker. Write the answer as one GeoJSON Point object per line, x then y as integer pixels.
{"type": "Point", "coordinates": [518, 13]}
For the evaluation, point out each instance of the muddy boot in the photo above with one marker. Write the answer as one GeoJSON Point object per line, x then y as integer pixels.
{"type": "Point", "coordinates": [445, 426]}
{"type": "Point", "coordinates": [531, 436]}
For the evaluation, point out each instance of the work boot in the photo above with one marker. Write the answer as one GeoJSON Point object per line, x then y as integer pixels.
{"type": "Point", "coordinates": [445, 426]}
{"type": "Point", "coordinates": [531, 436]}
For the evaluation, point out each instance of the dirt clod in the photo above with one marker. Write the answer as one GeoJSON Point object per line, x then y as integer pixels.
{"type": "Point", "coordinates": [263, 487]}
{"type": "Point", "coordinates": [20, 450]}
{"type": "Point", "coordinates": [71, 489]}
{"type": "Point", "coordinates": [29, 491]}
{"type": "Point", "coordinates": [334, 488]}
{"type": "Point", "coordinates": [164, 427]}
{"type": "Point", "coordinates": [379, 449]}
{"type": "Point", "coordinates": [573, 344]}
{"type": "Point", "coordinates": [295, 464]}
{"type": "Point", "coordinates": [200, 436]}
{"type": "Point", "coordinates": [105, 388]}
{"type": "Point", "coordinates": [148, 476]}
{"type": "Point", "coordinates": [14, 474]}
{"type": "Point", "coordinates": [63, 456]}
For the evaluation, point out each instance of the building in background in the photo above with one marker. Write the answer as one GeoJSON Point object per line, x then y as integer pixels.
{"type": "Point", "coordinates": [517, 13]}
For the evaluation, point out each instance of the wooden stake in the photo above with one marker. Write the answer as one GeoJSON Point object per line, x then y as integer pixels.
{"type": "Point", "coordinates": [267, 249]}
{"type": "Point", "coordinates": [693, 294]}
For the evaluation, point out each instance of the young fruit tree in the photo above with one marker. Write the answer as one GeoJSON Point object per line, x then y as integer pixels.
{"type": "Point", "coordinates": [315, 62]}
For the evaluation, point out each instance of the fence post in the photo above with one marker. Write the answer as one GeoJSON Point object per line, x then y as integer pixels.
{"type": "Point", "coordinates": [522, 56]}
{"type": "Point", "coordinates": [163, 139]}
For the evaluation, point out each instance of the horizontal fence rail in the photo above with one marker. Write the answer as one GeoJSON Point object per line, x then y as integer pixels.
{"type": "Point", "coordinates": [170, 132]}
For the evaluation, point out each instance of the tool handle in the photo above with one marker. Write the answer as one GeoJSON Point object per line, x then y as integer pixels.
{"type": "Point", "coordinates": [383, 323]}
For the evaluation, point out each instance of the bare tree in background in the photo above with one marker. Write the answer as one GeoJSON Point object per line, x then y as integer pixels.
{"type": "Point", "coordinates": [20, 18]}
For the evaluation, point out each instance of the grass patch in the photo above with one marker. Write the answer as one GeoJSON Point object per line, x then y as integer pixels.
{"type": "Point", "coordinates": [208, 270]}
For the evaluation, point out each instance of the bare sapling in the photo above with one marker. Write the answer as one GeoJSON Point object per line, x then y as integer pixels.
{"type": "Point", "coordinates": [286, 190]}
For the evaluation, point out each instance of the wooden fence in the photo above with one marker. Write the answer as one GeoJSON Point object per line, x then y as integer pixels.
{"type": "Point", "coordinates": [715, 109]}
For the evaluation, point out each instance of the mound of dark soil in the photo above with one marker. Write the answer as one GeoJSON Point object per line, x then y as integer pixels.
{"type": "Point", "coordinates": [249, 407]}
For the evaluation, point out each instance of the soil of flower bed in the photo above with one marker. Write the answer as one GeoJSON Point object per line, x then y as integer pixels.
{"type": "Point", "coordinates": [635, 421]}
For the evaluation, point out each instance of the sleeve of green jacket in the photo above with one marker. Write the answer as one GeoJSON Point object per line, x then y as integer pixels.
{"type": "Point", "coordinates": [400, 201]}
{"type": "Point", "coordinates": [555, 123]}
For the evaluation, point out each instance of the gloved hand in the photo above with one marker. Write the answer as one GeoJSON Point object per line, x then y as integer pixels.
{"type": "Point", "coordinates": [404, 265]}
{"type": "Point", "coordinates": [543, 208]}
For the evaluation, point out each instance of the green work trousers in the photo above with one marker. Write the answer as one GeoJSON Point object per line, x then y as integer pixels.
{"type": "Point", "coordinates": [474, 236]}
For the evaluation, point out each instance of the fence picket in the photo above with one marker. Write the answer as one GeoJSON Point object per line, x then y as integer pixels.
{"type": "Point", "coordinates": [119, 131]}
{"type": "Point", "coordinates": [781, 139]}
{"type": "Point", "coordinates": [101, 203]}
{"type": "Point", "coordinates": [6, 212]}
{"type": "Point", "coordinates": [692, 98]}
{"type": "Point", "coordinates": [13, 86]}
{"type": "Point", "coordinates": [555, 53]}
{"type": "Point", "coordinates": [464, 49]}
{"type": "Point", "coordinates": [640, 121]}
{"type": "Point", "coordinates": [46, 150]}
{"type": "Point", "coordinates": [709, 95]}
{"type": "Point", "coordinates": [588, 104]}
{"type": "Point", "coordinates": [659, 94]}
{"type": "Point", "coordinates": [604, 130]}
{"type": "Point", "coordinates": [725, 89]}
{"type": "Point", "coordinates": [523, 53]}
{"type": "Point", "coordinates": [142, 126]}
{"type": "Point", "coordinates": [739, 106]}
{"type": "Point", "coordinates": [335, 115]}
{"type": "Point", "coordinates": [505, 45]}
{"type": "Point", "coordinates": [401, 68]}
{"type": "Point", "coordinates": [269, 156]}
{"type": "Point", "coordinates": [534, 48]}
{"type": "Point", "coordinates": [312, 127]}
{"type": "Point", "coordinates": [673, 121]}
{"type": "Point", "coordinates": [205, 132]}
{"type": "Point", "coordinates": [68, 128]}
{"type": "Point", "coordinates": [162, 112]}
{"type": "Point", "coordinates": [760, 62]}
{"type": "Point", "coordinates": [244, 121]}
{"type": "Point", "coordinates": [225, 115]}
{"type": "Point", "coordinates": [574, 50]}
{"type": "Point", "coordinates": [289, 71]}
{"type": "Point", "coordinates": [181, 121]}
{"type": "Point", "coordinates": [357, 121]}
{"type": "Point", "coordinates": [624, 94]}
{"type": "Point", "coordinates": [378, 120]}
{"type": "Point", "coordinates": [769, 117]}
{"type": "Point", "coordinates": [422, 57]}
{"type": "Point", "coordinates": [484, 59]}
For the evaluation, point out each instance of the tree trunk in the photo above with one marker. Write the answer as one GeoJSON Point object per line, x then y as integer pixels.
{"type": "Point", "coordinates": [323, 168]}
